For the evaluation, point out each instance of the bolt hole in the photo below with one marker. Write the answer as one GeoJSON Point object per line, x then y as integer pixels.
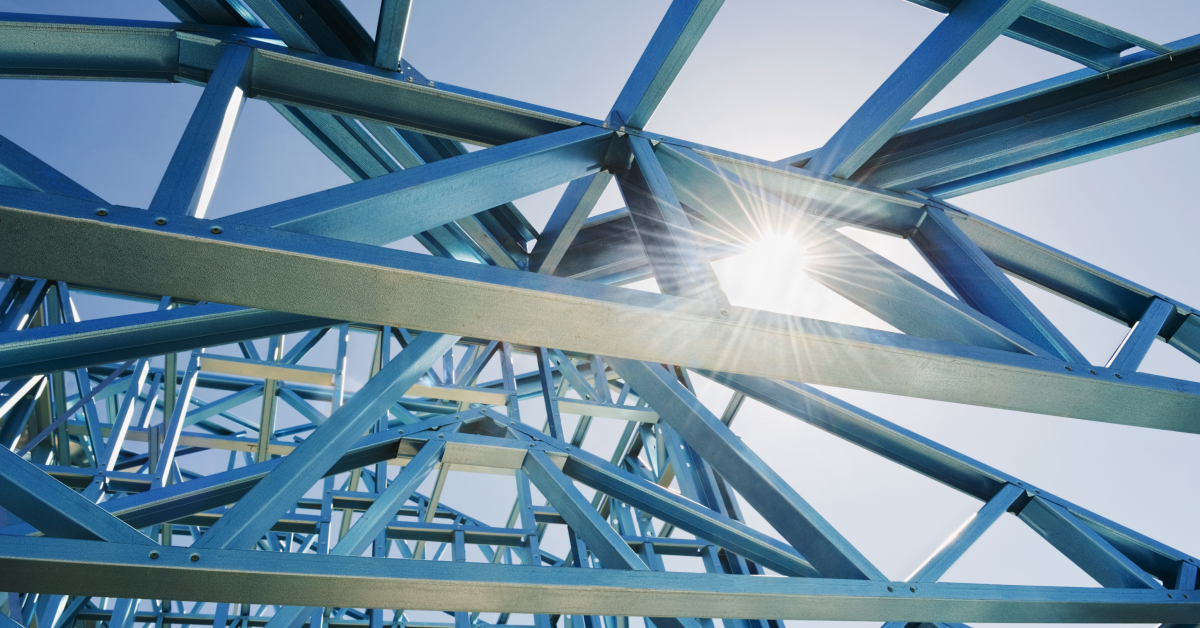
{"type": "Point", "coordinates": [1093, 372]}
{"type": "Point", "coordinates": [153, 555]}
{"type": "Point", "coordinates": [160, 221]}
{"type": "Point", "coordinates": [1118, 376]}
{"type": "Point", "coordinates": [1070, 369]}
{"type": "Point", "coordinates": [195, 557]}
{"type": "Point", "coordinates": [889, 588]}
{"type": "Point", "coordinates": [724, 312]}
{"type": "Point", "coordinates": [101, 212]}
{"type": "Point", "coordinates": [215, 230]}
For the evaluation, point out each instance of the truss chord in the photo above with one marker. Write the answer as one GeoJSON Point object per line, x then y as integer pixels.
{"type": "Point", "coordinates": [398, 135]}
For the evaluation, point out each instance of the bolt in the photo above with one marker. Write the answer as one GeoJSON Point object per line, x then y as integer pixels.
{"type": "Point", "coordinates": [724, 312]}
{"type": "Point", "coordinates": [441, 436]}
{"type": "Point", "coordinates": [532, 444]}
{"type": "Point", "coordinates": [1070, 369]}
{"type": "Point", "coordinates": [160, 221]}
{"type": "Point", "coordinates": [215, 230]}
{"type": "Point", "coordinates": [1170, 596]}
{"type": "Point", "coordinates": [605, 125]}
{"type": "Point", "coordinates": [410, 79]}
{"type": "Point", "coordinates": [1118, 376]}
{"type": "Point", "coordinates": [431, 84]}
{"type": "Point", "coordinates": [1092, 371]}
{"type": "Point", "coordinates": [195, 557]}
{"type": "Point", "coordinates": [889, 588]}
{"type": "Point", "coordinates": [101, 212]}
{"type": "Point", "coordinates": [153, 555]}
{"type": "Point", "coordinates": [622, 129]}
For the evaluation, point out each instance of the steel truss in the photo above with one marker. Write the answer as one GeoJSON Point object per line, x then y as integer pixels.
{"type": "Point", "coordinates": [109, 518]}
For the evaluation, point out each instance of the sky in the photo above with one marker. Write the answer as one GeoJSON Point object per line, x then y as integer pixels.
{"type": "Point", "coordinates": [770, 78]}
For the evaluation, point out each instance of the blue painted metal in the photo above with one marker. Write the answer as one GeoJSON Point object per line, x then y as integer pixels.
{"type": "Point", "coordinates": [670, 46]}
{"type": "Point", "coordinates": [957, 40]}
{"type": "Point", "coordinates": [397, 134]}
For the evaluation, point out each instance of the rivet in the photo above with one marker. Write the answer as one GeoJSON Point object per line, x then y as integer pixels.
{"type": "Point", "coordinates": [195, 557]}
{"type": "Point", "coordinates": [1092, 371]}
{"type": "Point", "coordinates": [160, 221]}
{"type": "Point", "coordinates": [1070, 369]}
{"type": "Point", "coordinates": [215, 230]}
{"type": "Point", "coordinates": [101, 212]}
{"type": "Point", "coordinates": [153, 555]}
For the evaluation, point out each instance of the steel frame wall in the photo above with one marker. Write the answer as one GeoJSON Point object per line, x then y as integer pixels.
{"type": "Point", "coordinates": [90, 518]}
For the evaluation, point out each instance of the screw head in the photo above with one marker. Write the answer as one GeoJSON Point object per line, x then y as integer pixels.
{"type": "Point", "coordinates": [215, 230]}
{"type": "Point", "coordinates": [194, 557]}
{"type": "Point", "coordinates": [160, 221]}
{"type": "Point", "coordinates": [101, 212]}
{"type": "Point", "coordinates": [153, 555]}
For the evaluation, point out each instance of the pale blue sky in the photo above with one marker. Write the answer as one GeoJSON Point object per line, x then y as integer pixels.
{"type": "Point", "coordinates": [771, 78]}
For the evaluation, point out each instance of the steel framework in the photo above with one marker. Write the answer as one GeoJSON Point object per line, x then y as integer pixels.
{"type": "Point", "coordinates": [115, 506]}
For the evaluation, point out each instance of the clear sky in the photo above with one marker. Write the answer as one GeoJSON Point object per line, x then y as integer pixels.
{"type": "Point", "coordinates": [771, 78]}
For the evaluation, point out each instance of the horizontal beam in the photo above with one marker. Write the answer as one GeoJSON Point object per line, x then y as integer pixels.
{"type": "Point", "coordinates": [119, 338]}
{"type": "Point", "coordinates": [291, 271]}
{"type": "Point", "coordinates": [113, 570]}
{"type": "Point", "coordinates": [89, 49]}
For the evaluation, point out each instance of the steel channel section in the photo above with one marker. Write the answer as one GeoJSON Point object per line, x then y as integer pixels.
{"type": "Point", "coordinates": [118, 570]}
{"type": "Point", "coordinates": [689, 203]}
{"type": "Point", "coordinates": [552, 312]}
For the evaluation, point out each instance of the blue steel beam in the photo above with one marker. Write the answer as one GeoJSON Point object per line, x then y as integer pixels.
{"type": "Point", "coordinates": [1084, 547]}
{"type": "Point", "coordinates": [288, 264]}
{"type": "Point", "coordinates": [1067, 34]}
{"type": "Point", "coordinates": [663, 228]}
{"type": "Point", "coordinates": [761, 486]}
{"type": "Point", "coordinates": [956, 41]}
{"type": "Point", "coordinates": [381, 513]}
{"type": "Point", "coordinates": [389, 36]}
{"type": "Point", "coordinates": [56, 510]}
{"type": "Point", "coordinates": [116, 570]}
{"type": "Point", "coordinates": [933, 460]}
{"type": "Point", "coordinates": [977, 281]}
{"type": "Point", "coordinates": [119, 338]}
{"type": "Point", "coordinates": [613, 552]}
{"type": "Point", "coordinates": [953, 548]}
{"type": "Point", "coordinates": [568, 218]}
{"type": "Point", "coordinates": [669, 48]}
{"type": "Point", "coordinates": [395, 206]}
{"type": "Point", "coordinates": [253, 516]}
{"type": "Point", "coordinates": [191, 177]}
{"type": "Point", "coordinates": [19, 168]}
{"type": "Point", "coordinates": [1141, 336]}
